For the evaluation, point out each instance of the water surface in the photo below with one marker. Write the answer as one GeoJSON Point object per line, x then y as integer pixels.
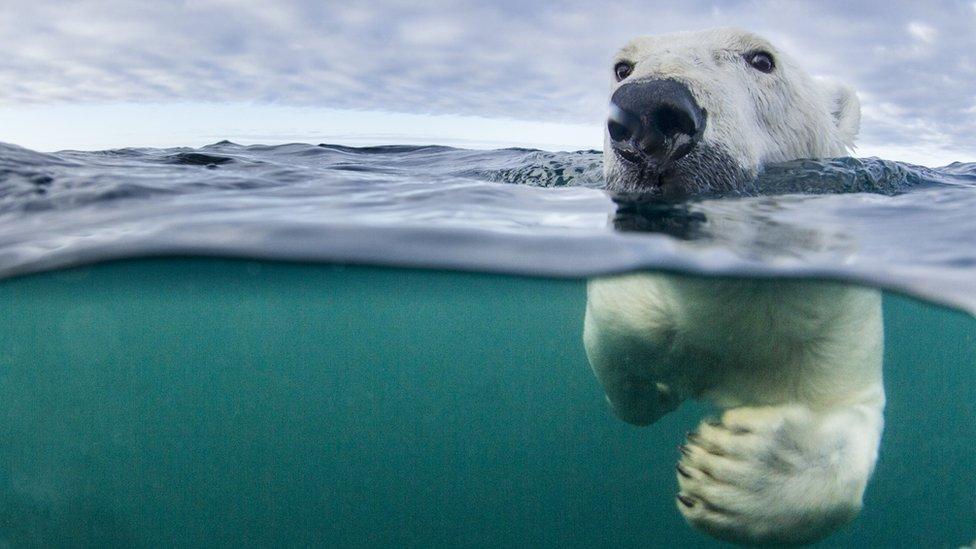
{"type": "Point", "coordinates": [897, 226]}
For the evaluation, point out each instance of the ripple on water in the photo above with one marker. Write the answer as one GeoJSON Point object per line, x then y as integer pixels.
{"type": "Point", "coordinates": [522, 211]}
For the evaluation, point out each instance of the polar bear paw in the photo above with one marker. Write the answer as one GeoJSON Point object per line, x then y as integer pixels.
{"type": "Point", "coordinates": [778, 475]}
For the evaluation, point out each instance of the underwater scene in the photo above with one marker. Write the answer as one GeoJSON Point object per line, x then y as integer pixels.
{"type": "Point", "coordinates": [424, 346]}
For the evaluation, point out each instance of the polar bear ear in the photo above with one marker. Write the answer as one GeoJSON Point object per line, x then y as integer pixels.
{"type": "Point", "coordinates": [845, 109]}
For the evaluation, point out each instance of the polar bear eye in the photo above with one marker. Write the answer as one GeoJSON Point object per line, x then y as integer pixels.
{"type": "Point", "coordinates": [761, 61]}
{"type": "Point", "coordinates": [622, 70]}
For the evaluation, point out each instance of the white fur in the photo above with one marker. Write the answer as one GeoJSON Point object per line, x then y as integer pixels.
{"type": "Point", "coordinates": [758, 118]}
{"type": "Point", "coordinates": [795, 364]}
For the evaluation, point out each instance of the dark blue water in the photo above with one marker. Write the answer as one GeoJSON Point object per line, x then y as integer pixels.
{"type": "Point", "coordinates": [883, 223]}
{"type": "Point", "coordinates": [228, 403]}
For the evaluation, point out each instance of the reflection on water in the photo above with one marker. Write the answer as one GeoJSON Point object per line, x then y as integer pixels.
{"type": "Point", "coordinates": [758, 228]}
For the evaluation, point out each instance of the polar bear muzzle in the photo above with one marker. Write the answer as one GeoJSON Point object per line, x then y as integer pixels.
{"type": "Point", "coordinates": [655, 143]}
{"type": "Point", "coordinates": [654, 122]}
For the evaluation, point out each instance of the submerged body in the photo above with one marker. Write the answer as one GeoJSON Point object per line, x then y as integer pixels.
{"type": "Point", "coordinates": [796, 365]}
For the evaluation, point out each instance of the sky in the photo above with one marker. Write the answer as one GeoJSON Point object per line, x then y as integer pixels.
{"type": "Point", "coordinates": [94, 74]}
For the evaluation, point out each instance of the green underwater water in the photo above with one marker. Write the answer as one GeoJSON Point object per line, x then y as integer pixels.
{"type": "Point", "coordinates": [229, 402]}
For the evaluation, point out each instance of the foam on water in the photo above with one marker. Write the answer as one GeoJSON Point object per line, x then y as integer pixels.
{"type": "Point", "coordinates": [887, 224]}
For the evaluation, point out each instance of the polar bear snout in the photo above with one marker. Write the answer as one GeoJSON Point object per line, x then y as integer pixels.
{"type": "Point", "coordinates": [653, 123]}
{"type": "Point", "coordinates": [640, 401]}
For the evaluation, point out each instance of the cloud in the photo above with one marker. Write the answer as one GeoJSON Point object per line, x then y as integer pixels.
{"type": "Point", "coordinates": [922, 32]}
{"type": "Point", "coordinates": [913, 63]}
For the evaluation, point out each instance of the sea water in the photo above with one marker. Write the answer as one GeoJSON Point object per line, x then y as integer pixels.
{"type": "Point", "coordinates": [195, 350]}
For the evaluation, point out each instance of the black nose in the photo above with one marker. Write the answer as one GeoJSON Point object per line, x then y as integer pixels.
{"type": "Point", "coordinates": [655, 120]}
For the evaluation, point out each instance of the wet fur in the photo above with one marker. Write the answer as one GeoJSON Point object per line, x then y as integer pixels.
{"type": "Point", "coordinates": [753, 118]}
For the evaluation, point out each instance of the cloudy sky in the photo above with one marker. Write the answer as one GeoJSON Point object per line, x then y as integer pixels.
{"type": "Point", "coordinates": [103, 73]}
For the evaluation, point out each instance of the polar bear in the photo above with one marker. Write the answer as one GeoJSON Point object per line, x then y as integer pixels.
{"type": "Point", "coordinates": [796, 365]}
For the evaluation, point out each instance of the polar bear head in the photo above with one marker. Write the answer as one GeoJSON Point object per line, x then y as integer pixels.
{"type": "Point", "coordinates": [701, 111]}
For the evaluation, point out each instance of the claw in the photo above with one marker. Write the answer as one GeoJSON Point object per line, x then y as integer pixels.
{"type": "Point", "coordinates": [686, 501]}
{"type": "Point", "coordinates": [692, 436]}
{"type": "Point", "coordinates": [683, 472]}
{"type": "Point", "coordinates": [684, 450]}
